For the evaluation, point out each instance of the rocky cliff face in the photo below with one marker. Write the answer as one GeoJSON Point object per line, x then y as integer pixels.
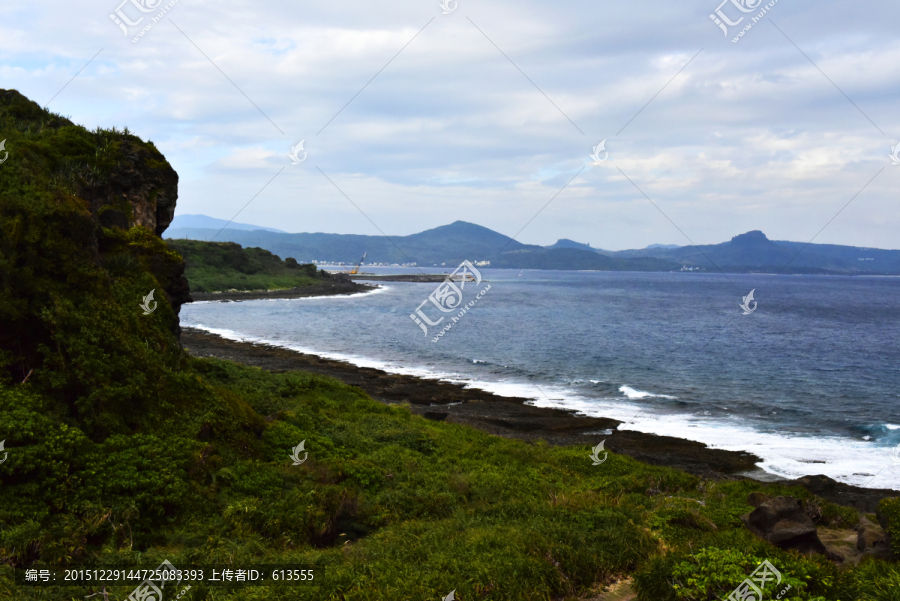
{"type": "Point", "coordinates": [81, 213]}
{"type": "Point", "coordinates": [124, 182]}
{"type": "Point", "coordinates": [143, 181]}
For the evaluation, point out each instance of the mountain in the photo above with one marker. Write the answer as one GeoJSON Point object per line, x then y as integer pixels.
{"type": "Point", "coordinates": [754, 252]}
{"type": "Point", "coordinates": [204, 221]}
{"type": "Point", "coordinates": [447, 244]}
{"type": "Point", "coordinates": [566, 243]}
{"type": "Point", "coordinates": [451, 244]}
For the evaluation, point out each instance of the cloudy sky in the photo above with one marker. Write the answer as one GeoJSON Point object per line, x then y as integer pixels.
{"type": "Point", "coordinates": [412, 118]}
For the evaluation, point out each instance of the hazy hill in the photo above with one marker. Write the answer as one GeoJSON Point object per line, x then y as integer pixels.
{"type": "Point", "coordinates": [753, 251]}
{"type": "Point", "coordinates": [446, 244]}
{"type": "Point", "coordinates": [205, 221]}
{"type": "Point", "coordinates": [566, 243]}
{"type": "Point", "coordinates": [460, 240]}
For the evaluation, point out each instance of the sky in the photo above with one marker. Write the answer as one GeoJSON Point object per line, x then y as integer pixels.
{"type": "Point", "coordinates": [414, 115]}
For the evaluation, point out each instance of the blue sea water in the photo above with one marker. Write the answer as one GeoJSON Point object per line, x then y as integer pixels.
{"type": "Point", "coordinates": [809, 381]}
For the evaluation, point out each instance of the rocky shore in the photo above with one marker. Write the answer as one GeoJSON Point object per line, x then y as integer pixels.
{"type": "Point", "coordinates": [340, 285]}
{"type": "Point", "coordinates": [513, 418]}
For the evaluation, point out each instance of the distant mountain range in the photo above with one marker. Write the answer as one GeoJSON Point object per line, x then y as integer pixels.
{"type": "Point", "coordinates": [449, 245]}
{"type": "Point", "coordinates": [204, 221]}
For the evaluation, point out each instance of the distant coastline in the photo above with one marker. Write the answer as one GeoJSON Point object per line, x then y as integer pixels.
{"type": "Point", "coordinates": [447, 246]}
{"type": "Point", "coordinates": [339, 288]}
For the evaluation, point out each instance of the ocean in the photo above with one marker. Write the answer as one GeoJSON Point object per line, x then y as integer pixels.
{"type": "Point", "coordinates": [809, 380]}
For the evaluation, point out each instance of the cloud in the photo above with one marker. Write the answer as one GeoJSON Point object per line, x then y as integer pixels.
{"type": "Point", "coordinates": [748, 136]}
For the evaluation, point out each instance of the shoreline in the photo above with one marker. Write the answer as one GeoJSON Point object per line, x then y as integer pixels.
{"type": "Point", "coordinates": [338, 287]}
{"type": "Point", "coordinates": [512, 417]}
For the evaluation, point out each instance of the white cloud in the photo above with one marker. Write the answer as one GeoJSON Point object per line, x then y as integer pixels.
{"type": "Point", "coordinates": [748, 136]}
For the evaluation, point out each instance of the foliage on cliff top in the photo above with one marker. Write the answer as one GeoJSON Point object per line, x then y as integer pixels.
{"type": "Point", "coordinates": [218, 266]}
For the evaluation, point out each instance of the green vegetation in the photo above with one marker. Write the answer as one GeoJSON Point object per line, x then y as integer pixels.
{"type": "Point", "coordinates": [123, 450]}
{"type": "Point", "coordinates": [889, 513]}
{"type": "Point", "coordinates": [218, 266]}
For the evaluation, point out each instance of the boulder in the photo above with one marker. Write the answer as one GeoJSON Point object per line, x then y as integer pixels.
{"type": "Point", "coordinates": [755, 499]}
{"type": "Point", "coordinates": [783, 522]}
{"type": "Point", "coordinates": [871, 539]}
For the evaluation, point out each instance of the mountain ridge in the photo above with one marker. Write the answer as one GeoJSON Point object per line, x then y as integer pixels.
{"type": "Point", "coordinates": [450, 244]}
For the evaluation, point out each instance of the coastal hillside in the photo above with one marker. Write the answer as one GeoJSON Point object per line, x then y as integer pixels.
{"type": "Point", "coordinates": [219, 266]}
{"type": "Point", "coordinates": [753, 251]}
{"type": "Point", "coordinates": [443, 246]}
{"type": "Point", "coordinates": [121, 450]}
{"type": "Point", "coordinates": [450, 244]}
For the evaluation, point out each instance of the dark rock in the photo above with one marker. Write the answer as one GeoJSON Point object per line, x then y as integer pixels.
{"type": "Point", "coordinates": [503, 416]}
{"type": "Point", "coordinates": [861, 499]}
{"type": "Point", "coordinates": [142, 179]}
{"type": "Point", "coordinates": [177, 288]}
{"type": "Point", "coordinates": [755, 499]}
{"type": "Point", "coordinates": [435, 416]}
{"type": "Point", "coordinates": [871, 539]}
{"type": "Point", "coordinates": [112, 218]}
{"type": "Point", "coordinates": [783, 522]}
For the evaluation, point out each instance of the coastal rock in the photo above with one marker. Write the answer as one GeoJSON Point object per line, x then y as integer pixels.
{"type": "Point", "coordinates": [871, 539]}
{"type": "Point", "coordinates": [142, 184]}
{"type": "Point", "coordinates": [783, 522]}
{"type": "Point", "coordinates": [755, 499]}
{"type": "Point", "coordinates": [861, 499]}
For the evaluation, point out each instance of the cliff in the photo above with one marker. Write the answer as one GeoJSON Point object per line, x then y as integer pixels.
{"type": "Point", "coordinates": [80, 217]}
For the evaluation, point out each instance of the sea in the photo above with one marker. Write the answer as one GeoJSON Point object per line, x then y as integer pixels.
{"type": "Point", "coordinates": [806, 375]}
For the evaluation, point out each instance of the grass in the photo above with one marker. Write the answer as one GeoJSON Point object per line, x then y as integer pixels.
{"type": "Point", "coordinates": [390, 506]}
{"type": "Point", "coordinates": [220, 266]}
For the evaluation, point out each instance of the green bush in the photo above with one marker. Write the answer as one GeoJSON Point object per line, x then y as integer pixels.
{"type": "Point", "coordinates": [220, 266]}
{"type": "Point", "coordinates": [889, 517]}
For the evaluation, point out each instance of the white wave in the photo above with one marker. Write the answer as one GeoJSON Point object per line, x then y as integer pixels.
{"type": "Point", "coordinates": [784, 455]}
{"type": "Point", "coordinates": [631, 393]}
{"type": "Point", "coordinates": [379, 289]}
